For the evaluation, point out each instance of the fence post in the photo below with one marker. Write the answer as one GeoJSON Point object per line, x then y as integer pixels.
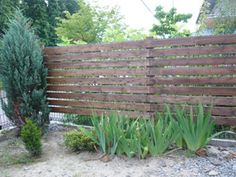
{"type": "Point", "coordinates": [149, 76]}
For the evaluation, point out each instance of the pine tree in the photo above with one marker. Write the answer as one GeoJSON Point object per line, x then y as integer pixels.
{"type": "Point", "coordinates": [54, 11]}
{"type": "Point", "coordinates": [23, 74]}
{"type": "Point", "coordinates": [36, 10]}
{"type": "Point", "coordinates": [71, 6]}
{"type": "Point", "coordinates": [6, 10]}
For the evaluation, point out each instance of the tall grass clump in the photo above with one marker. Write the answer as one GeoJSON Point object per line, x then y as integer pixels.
{"type": "Point", "coordinates": [195, 126]}
{"type": "Point", "coordinates": [116, 134]}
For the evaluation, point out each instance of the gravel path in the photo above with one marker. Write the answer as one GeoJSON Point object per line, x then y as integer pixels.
{"type": "Point", "coordinates": [59, 162]}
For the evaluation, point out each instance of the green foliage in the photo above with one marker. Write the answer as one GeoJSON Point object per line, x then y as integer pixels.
{"type": "Point", "coordinates": [116, 134]}
{"type": "Point", "coordinates": [71, 6]}
{"type": "Point", "coordinates": [78, 141]}
{"type": "Point", "coordinates": [23, 74]}
{"type": "Point", "coordinates": [77, 119]}
{"type": "Point", "coordinates": [31, 136]}
{"type": "Point", "coordinates": [79, 26]}
{"type": "Point", "coordinates": [195, 129]}
{"type": "Point", "coordinates": [54, 11]}
{"type": "Point", "coordinates": [168, 23]}
{"type": "Point", "coordinates": [94, 24]}
{"type": "Point", "coordinates": [6, 10]}
{"type": "Point", "coordinates": [162, 133]}
{"type": "Point", "coordinates": [119, 135]}
{"type": "Point", "coordinates": [37, 11]}
{"type": "Point", "coordinates": [44, 14]}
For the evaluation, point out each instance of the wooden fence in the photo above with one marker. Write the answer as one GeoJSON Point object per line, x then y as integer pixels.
{"type": "Point", "coordinates": [137, 78]}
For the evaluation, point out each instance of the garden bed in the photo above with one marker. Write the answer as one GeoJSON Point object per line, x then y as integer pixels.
{"type": "Point", "coordinates": [59, 162]}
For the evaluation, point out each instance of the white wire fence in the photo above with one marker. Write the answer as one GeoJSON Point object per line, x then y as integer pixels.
{"type": "Point", "coordinates": [6, 123]}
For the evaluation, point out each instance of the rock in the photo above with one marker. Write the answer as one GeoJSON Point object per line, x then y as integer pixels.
{"type": "Point", "coordinates": [201, 152]}
{"type": "Point", "coordinates": [105, 158]}
{"type": "Point", "coordinates": [215, 161]}
{"type": "Point", "coordinates": [234, 167]}
{"type": "Point", "coordinates": [225, 153]}
{"type": "Point", "coordinates": [213, 173]}
{"type": "Point", "coordinates": [163, 164]}
{"type": "Point", "coordinates": [213, 151]}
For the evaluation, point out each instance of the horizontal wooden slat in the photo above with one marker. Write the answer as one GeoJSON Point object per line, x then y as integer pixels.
{"type": "Point", "coordinates": [193, 71]}
{"type": "Point", "coordinates": [124, 89]}
{"type": "Point", "coordinates": [220, 120]}
{"type": "Point", "coordinates": [224, 111]}
{"type": "Point", "coordinates": [197, 91]}
{"type": "Point", "coordinates": [197, 40]}
{"type": "Point", "coordinates": [98, 72]}
{"type": "Point", "coordinates": [102, 105]}
{"type": "Point", "coordinates": [230, 101]}
{"type": "Point", "coordinates": [84, 111]}
{"type": "Point", "coordinates": [215, 110]}
{"type": "Point", "coordinates": [100, 97]}
{"type": "Point", "coordinates": [98, 55]}
{"type": "Point", "coordinates": [97, 64]}
{"type": "Point", "coordinates": [96, 47]}
{"type": "Point", "coordinates": [195, 80]}
{"type": "Point", "coordinates": [115, 81]}
{"type": "Point", "coordinates": [193, 51]}
{"type": "Point", "coordinates": [192, 61]}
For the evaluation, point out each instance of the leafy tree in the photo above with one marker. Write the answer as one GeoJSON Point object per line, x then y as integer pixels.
{"type": "Point", "coordinates": [79, 26]}
{"type": "Point", "coordinates": [23, 74]}
{"type": "Point", "coordinates": [36, 10]}
{"type": "Point", "coordinates": [168, 23]}
{"type": "Point", "coordinates": [93, 24]}
{"type": "Point", "coordinates": [6, 10]}
{"type": "Point", "coordinates": [121, 33]}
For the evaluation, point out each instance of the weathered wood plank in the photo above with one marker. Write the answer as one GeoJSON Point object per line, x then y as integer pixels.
{"type": "Point", "coordinates": [97, 64]}
{"type": "Point", "coordinates": [84, 111]}
{"type": "Point", "coordinates": [195, 80]}
{"type": "Point", "coordinates": [196, 91]}
{"type": "Point", "coordinates": [100, 97]}
{"type": "Point", "coordinates": [230, 101]}
{"type": "Point", "coordinates": [102, 105]}
{"type": "Point", "coordinates": [96, 47]}
{"type": "Point", "coordinates": [193, 71]}
{"type": "Point", "coordinates": [192, 61]}
{"type": "Point", "coordinates": [220, 120]}
{"type": "Point", "coordinates": [97, 55]}
{"type": "Point", "coordinates": [193, 51]}
{"type": "Point", "coordinates": [94, 81]}
{"type": "Point", "coordinates": [215, 111]}
{"type": "Point", "coordinates": [98, 72]}
{"type": "Point", "coordinates": [99, 89]}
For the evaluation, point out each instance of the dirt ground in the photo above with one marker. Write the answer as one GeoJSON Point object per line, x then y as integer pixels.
{"type": "Point", "coordinates": [57, 161]}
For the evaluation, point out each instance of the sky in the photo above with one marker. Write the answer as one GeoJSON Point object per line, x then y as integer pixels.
{"type": "Point", "coordinates": [138, 16]}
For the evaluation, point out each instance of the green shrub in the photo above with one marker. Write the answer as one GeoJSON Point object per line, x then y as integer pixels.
{"type": "Point", "coordinates": [195, 126]}
{"type": "Point", "coordinates": [31, 136]}
{"type": "Point", "coordinates": [78, 141]}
